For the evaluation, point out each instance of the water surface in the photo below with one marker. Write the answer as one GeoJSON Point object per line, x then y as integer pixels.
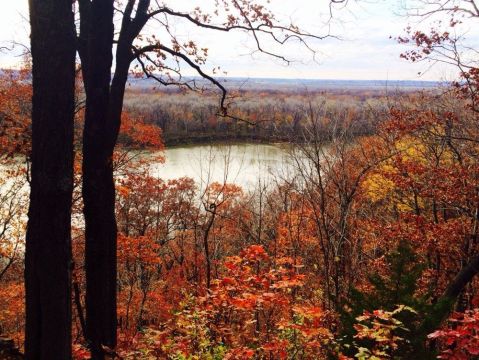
{"type": "Point", "coordinates": [244, 164]}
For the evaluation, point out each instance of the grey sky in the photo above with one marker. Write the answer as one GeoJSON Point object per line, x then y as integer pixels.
{"type": "Point", "coordinates": [364, 52]}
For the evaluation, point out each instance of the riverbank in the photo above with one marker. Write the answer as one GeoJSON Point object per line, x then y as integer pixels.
{"type": "Point", "coordinates": [221, 139]}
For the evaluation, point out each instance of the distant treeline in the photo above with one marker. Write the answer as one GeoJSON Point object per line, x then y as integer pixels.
{"type": "Point", "coordinates": [258, 115]}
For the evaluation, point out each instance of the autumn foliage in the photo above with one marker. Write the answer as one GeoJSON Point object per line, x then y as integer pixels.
{"type": "Point", "coordinates": [367, 250]}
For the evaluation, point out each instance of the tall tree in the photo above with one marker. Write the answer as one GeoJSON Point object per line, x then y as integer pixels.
{"type": "Point", "coordinates": [48, 242]}
{"type": "Point", "coordinates": [99, 137]}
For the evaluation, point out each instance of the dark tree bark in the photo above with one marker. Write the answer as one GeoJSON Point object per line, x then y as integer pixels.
{"type": "Point", "coordinates": [443, 307]}
{"type": "Point", "coordinates": [104, 103]}
{"type": "Point", "coordinates": [48, 240]}
{"type": "Point", "coordinates": [445, 303]}
{"type": "Point", "coordinates": [96, 37]}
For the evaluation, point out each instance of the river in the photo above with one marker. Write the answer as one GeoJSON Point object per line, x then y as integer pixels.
{"type": "Point", "coordinates": [244, 164]}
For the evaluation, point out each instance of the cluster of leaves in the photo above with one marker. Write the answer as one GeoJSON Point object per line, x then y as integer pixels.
{"type": "Point", "coordinates": [382, 332]}
{"type": "Point", "coordinates": [461, 338]}
{"type": "Point", "coordinates": [15, 97]}
{"type": "Point", "coordinates": [253, 311]}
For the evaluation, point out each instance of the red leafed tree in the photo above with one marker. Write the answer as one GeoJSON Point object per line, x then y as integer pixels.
{"type": "Point", "coordinates": [452, 129]}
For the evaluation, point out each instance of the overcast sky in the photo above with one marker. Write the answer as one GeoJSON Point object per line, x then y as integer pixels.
{"type": "Point", "coordinates": [365, 50]}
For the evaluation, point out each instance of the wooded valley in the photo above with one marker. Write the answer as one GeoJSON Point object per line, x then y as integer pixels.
{"type": "Point", "coordinates": [368, 248]}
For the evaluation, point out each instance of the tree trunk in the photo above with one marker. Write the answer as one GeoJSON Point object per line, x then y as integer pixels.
{"type": "Point", "coordinates": [104, 102]}
{"type": "Point", "coordinates": [446, 302]}
{"type": "Point", "coordinates": [444, 305]}
{"type": "Point", "coordinates": [48, 239]}
{"type": "Point", "coordinates": [98, 185]}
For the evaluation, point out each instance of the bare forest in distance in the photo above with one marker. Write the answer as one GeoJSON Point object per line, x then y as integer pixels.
{"type": "Point", "coordinates": [270, 110]}
{"type": "Point", "coordinates": [362, 245]}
